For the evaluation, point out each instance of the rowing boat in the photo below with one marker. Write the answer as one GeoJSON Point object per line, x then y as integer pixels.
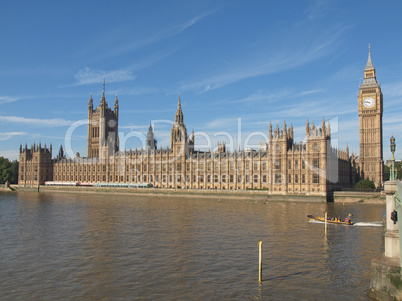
{"type": "Point", "coordinates": [321, 219]}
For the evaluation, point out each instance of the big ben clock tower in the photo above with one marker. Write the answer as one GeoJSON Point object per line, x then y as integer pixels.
{"type": "Point", "coordinates": [370, 123]}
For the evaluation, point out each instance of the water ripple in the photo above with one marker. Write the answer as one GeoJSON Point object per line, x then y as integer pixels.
{"type": "Point", "coordinates": [104, 247]}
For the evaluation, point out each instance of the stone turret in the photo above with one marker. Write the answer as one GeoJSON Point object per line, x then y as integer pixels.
{"type": "Point", "coordinates": [270, 131]}
{"type": "Point", "coordinates": [221, 147]}
{"type": "Point", "coordinates": [179, 114]}
{"type": "Point", "coordinates": [116, 106]}
{"type": "Point", "coordinates": [151, 142]}
{"type": "Point", "coordinates": [60, 155]}
{"type": "Point", "coordinates": [35, 166]}
{"type": "Point", "coordinates": [103, 126]}
{"type": "Point", "coordinates": [90, 103]}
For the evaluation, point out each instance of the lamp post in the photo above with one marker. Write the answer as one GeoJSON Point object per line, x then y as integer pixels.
{"type": "Point", "coordinates": [392, 175]}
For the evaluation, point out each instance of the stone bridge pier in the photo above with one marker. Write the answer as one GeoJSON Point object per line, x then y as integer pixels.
{"type": "Point", "coordinates": [386, 279]}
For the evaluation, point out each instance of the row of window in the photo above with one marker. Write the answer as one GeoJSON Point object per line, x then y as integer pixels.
{"type": "Point", "coordinates": [295, 179]}
{"type": "Point", "coordinates": [200, 166]}
{"type": "Point", "coordinates": [95, 132]}
{"type": "Point", "coordinates": [315, 147]}
{"type": "Point", "coordinates": [44, 159]}
{"type": "Point", "coordinates": [209, 178]}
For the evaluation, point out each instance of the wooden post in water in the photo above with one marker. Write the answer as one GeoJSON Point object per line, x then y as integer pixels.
{"type": "Point", "coordinates": [260, 261]}
{"type": "Point", "coordinates": [326, 216]}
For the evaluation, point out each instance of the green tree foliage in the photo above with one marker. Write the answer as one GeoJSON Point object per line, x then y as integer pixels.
{"type": "Point", "coordinates": [8, 171]}
{"type": "Point", "coordinates": [398, 168]}
{"type": "Point", "coordinates": [365, 184]}
{"type": "Point", "coordinates": [386, 173]}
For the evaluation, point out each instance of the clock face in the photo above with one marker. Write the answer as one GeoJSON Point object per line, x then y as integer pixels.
{"type": "Point", "coordinates": [369, 102]}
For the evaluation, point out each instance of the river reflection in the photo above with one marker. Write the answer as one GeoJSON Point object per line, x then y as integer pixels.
{"type": "Point", "coordinates": [104, 247]}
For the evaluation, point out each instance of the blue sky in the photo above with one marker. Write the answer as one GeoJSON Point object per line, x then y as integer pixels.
{"type": "Point", "coordinates": [237, 65]}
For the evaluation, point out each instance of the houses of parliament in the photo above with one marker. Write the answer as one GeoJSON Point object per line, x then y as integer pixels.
{"type": "Point", "coordinates": [281, 165]}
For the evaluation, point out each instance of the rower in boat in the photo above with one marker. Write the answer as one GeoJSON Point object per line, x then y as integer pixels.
{"type": "Point", "coordinates": [348, 219]}
{"type": "Point", "coordinates": [332, 220]}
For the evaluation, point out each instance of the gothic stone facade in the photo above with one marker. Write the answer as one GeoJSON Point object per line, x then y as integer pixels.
{"type": "Point", "coordinates": [281, 165]}
{"type": "Point", "coordinates": [35, 165]}
{"type": "Point", "coordinates": [102, 128]}
{"type": "Point", "coordinates": [370, 107]}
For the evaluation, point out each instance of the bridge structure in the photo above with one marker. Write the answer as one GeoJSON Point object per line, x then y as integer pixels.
{"type": "Point", "coordinates": [386, 279]}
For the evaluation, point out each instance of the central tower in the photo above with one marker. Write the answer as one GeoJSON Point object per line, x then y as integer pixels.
{"type": "Point", "coordinates": [370, 107]}
{"type": "Point", "coordinates": [103, 128]}
{"type": "Point", "coordinates": [180, 143]}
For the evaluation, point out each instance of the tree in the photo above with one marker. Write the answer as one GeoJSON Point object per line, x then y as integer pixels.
{"type": "Point", "coordinates": [398, 168]}
{"type": "Point", "coordinates": [386, 173]}
{"type": "Point", "coordinates": [8, 171]}
{"type": "Point", "coordinates": [365, 184]}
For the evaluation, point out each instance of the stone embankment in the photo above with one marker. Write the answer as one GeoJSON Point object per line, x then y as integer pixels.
{"type": "Point", "coordinates": [359, 196]}
{"type": "Point", "coordinates": [262, 195]}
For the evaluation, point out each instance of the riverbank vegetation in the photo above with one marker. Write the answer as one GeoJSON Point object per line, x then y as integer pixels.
{"type": "Point", "coordinates": [8, 171]}
{"type": "Point", "coordinates": [365, 185]}
{"type": "Point", "coordinates": [398, 168]}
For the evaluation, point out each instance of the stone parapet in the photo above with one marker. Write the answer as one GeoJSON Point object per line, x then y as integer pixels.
{"type": "Point", "coordinates": [386, 279]}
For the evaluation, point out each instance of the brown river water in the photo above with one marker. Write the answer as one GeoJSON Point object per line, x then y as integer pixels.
{"type": "Point", "coordinates": [57, 246]}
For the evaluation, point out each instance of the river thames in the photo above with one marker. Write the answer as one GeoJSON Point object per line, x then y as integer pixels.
{"type": "Point", "coordinates": [57, 246]}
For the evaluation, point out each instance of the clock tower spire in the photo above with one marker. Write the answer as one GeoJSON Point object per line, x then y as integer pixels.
{"type": "Point", "coordinates": [369, 71]}
{"type": "Point", "coordinates": [370, 108]}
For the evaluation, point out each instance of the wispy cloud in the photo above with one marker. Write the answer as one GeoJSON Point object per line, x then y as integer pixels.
{"type": "Point", "coordinates": [392, 118]}
{"type": "Point", "coordinates": [393, 90]}
{"type": "Point", "coordinates": [275, 96]}
{"type": "Point", "coordinates": [10, 154]}
{"type": "Point", "coordinates": [137, 91]}
{"type": "Point", "coordinates": [221, 123]}
{"type": "Point", "coordinates": [147, 111]}
{"type": "Point", "coordinates": [36, 121]}
{"type": "Point", "coordinates": [90, 76]}
{"type": "Point", "coordinates": [150, 60]}
{"type": "Point", "coordinates": [312, 108]}
{"type": "Point", "coordinates": [134, 127]}
{"type": "Point", "coordinates": [261, 96]}
{"type": "Point", "coordinates": [166, 32]}
{"type": "Point", "coordinates": [265, 61]}
{"type": "Point", "coordinates": [194, 20]}
{"type": "Point", "coordinates": [163, 33]}
{"type": "Point", "coordinates": [346, 74]}
{"type": "Point", "coordinates": [87, 75]}
{"type": "Point", "coordinates": [9, 135]}
{"type": "Point", "coordinates": [318, 9]}
{"type": "Point", "coordinates": [6, 99]}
